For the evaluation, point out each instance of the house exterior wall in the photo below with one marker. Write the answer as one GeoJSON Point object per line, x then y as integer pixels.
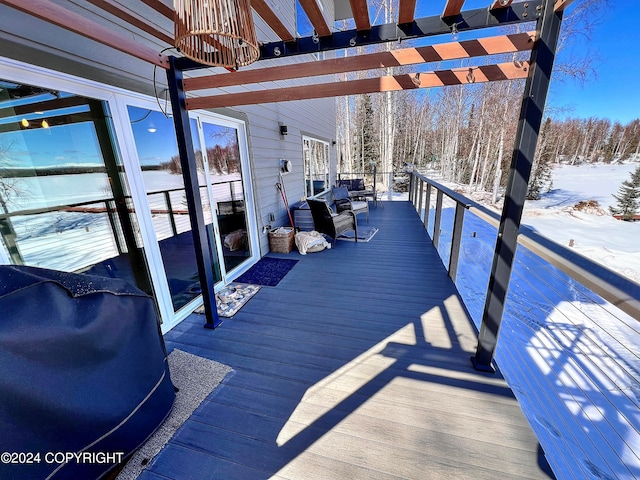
{"type": "Point", "coordinates": [41, 44]}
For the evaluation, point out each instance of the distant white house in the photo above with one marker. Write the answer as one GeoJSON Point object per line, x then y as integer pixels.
{"type": "Point", "coordinates": [88, 175]}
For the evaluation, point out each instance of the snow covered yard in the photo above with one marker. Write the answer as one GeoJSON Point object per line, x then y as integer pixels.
{"type": "Point", "coordinates": [593, 233]}
{"type": "Point", "coordinates": [571, 358]}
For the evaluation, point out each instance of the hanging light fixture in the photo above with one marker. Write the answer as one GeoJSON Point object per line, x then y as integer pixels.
{"type": "Point", "coordinates": [218, 33]}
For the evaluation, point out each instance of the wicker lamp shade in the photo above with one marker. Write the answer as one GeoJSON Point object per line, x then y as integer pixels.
{"type": "Point", "coordinates": [216, 32]}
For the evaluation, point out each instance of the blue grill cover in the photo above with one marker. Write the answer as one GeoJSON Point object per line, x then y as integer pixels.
{"type": "Point", "coordinates": [82, 369]}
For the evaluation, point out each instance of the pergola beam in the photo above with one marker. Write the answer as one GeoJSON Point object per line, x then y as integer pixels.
{"type": "Point", "coordinates": [264, 11]}
{"type": "Point", "coordinates": [161, 8]}
{"type": "Point", "coordinates": [360, 10]}
{"type": "Point", "coordinates": [132, 19]}
{"type": "Point", "coordinates": [316, 18]}
{"type": "Point", "coordinates": [441, 78]}
{"type": "Point", "coordinates": [519, 12]}
{"type": "Point", "coordinates": [401, 57]}
{"type": "Point", "coordinates": [452, 8]}
{"type": "Point", "coordinates": [50, 12]}
{"type": "Point", "coordinates": [406, 11]}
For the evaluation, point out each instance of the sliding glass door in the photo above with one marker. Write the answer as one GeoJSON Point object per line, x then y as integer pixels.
{"type": "Point", "coordinates": [222, 191]}
{"type": "Point", "coordinates": [226, 187]}
{"type": "Point", "coordinates": [64, 198]}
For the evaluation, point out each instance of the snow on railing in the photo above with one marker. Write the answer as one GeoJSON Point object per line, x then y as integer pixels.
{"type": "Point", "coordinates": [569, 343]}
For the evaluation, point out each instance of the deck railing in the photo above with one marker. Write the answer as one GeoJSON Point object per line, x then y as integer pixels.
{"type": "Point", "coordinates": [76, 235]}
{"type": "Point", "coordinates": [569, 344]}
{"type": "Point", "coordinates": [614, 288]}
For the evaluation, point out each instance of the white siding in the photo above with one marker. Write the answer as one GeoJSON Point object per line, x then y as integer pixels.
{"type": "Point", "coordinates": [25, 38]}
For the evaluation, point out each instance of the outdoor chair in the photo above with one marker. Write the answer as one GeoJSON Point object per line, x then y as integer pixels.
{"type": "Point", "coordinates": [343, 202]}
{"type": "Point", "coordinates": [330, 223]}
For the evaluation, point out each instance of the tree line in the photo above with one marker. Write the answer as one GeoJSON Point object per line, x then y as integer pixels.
{"type": "Point", "coordinates": [466, 132]}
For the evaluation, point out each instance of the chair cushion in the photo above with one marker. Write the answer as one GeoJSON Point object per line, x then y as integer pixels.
{"type": "Point", "coordinates": [359, 205]}
{"type": "Point", "coordinates": [340, 193]}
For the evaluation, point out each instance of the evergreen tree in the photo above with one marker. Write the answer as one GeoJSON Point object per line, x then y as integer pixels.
{"type": "Point", "coordinates": [628, 197]}
{"type": "Point", "coordinates": [542, 164]}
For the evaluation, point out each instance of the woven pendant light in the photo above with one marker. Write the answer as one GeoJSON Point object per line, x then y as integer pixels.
{"type": "Point", "coordinates": [219, 33]}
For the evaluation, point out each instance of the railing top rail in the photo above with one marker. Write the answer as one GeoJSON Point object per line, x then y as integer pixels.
{"type": "Point", "coordinates": [613, 287]}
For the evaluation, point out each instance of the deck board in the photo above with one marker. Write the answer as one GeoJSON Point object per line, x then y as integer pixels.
{"type": "Point", "coordinates": [355, 366]}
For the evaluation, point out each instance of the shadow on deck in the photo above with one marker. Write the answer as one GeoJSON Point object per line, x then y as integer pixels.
{"type": "Point", "coordinates": [355, 366]}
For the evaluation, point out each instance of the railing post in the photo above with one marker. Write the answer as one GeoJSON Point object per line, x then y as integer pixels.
{"type": "Point", "coordinates": [9, 236]}
{"type": "Point", "coordinates": [204, 258]}
{"type": "Point", "coordinates": [456, 239]}
{"type": "Point", "coordinates": [436, 220]}
{"type": "Point", "coordinates": [421, 192]}
{"type": "Point", "coordinates": [411, 181]}
{"type": "Point", "coordinates": [172, 220]}
{"type": "Point", "coordinates": [111, 215]}
{"type": "Point", "coordinates": [534, 98]}
{"type": "Point", "coordinates": [427, 207]}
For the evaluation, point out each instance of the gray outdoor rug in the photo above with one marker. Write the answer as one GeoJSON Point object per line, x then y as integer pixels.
{"type": "Point", "coordinates": [196, 377]}
{"type": "Point", "coordinates": [364, 234]}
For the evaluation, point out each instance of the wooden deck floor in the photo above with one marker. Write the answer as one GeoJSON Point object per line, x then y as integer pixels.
{"type": "Point", "coordinates": [356, 366]}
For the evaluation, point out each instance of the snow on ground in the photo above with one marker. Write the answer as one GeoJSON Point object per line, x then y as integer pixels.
{"type": "Point", "coordinates": [571, 358]}
{"type": "Point", "coordinates": [594, 233]}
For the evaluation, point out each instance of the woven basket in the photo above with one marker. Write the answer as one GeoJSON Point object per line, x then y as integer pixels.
{"type": "Point", "coordinates": [281, 240]}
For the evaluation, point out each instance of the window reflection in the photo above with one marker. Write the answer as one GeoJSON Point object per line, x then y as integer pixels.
{"type": "Point", "coordinates": [157, 149]}
{"type": "Point", "coordinates": [316, 165]}
{"type": "Point", "coordinates": [225, 170]}
{"type": "Point", "coordinates": [63, 198]}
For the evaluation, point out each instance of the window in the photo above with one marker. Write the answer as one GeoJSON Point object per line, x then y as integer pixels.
{"type": "Point", "coordinates": [316, 165]}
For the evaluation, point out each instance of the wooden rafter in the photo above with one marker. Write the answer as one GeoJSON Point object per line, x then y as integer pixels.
{"type": "Point", "coordinates": [498, 4]}
{"type": "Point", "coordinates": [316, 18]}
{"type": "Point", "coordinates": [133, 19]}
{"type": "Point", "coordinates": [406, 56]}
{"type": "Point", "coordinates": [452, 8]}
{"type": "Point", "coordinates": [160, 7]}
{"type": "Point", "coordinates": [458, 76]}
{"type": "Point", "coordinates": [264, 11]}
{"type": "Point", "coordinates": [406, 11]}
{"type": "Point", "coordinates": [60, 16]}
{"type": "Point", "coordinates": [360, 10]}
{"type": "Point", "coordinates": [561, 5]}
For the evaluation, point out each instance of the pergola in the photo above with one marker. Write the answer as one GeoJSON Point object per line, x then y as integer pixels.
{"type": "Point", "coordinates": [547, 14]}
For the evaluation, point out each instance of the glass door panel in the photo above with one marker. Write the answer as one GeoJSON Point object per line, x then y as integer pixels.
{"type": "Point", "coordinates": [227, 187]}
{"type": "Point", "coordinates": [315, 154]}
{"type": "Point", "coordinates": [157, 149]}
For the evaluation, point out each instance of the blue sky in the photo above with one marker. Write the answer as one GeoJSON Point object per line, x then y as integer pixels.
{"type": "Point", "coordinates": [613, 92]}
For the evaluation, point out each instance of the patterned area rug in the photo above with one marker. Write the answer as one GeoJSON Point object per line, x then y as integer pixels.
{"type": "Point", "coordinates": [364, 234]}
{"type": "Point", "coordinates": [268, 271]}
{"type": "Point", "coordinates": [232, 298]}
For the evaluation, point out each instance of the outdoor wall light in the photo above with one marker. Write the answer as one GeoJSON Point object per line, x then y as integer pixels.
{"type": "Point", "coordinates": [283, 130]}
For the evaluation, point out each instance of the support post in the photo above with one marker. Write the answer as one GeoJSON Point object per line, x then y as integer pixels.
{"type": "Point", "coordinates": [456, 241]}
{"type": "Point", "coordinates": [437, 219]}
{"type": "Point", "coordinates": [427, 207]}
{"type": "Point", "coordinates": [421, 193]}
{"type": "Point", "coordinates": [534, 98]}
{"type": "Point", "coordinates": [192, 193]}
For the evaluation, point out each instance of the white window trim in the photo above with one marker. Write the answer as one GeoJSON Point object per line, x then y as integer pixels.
{"type": "Point", "coordinates": [118, 99]}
